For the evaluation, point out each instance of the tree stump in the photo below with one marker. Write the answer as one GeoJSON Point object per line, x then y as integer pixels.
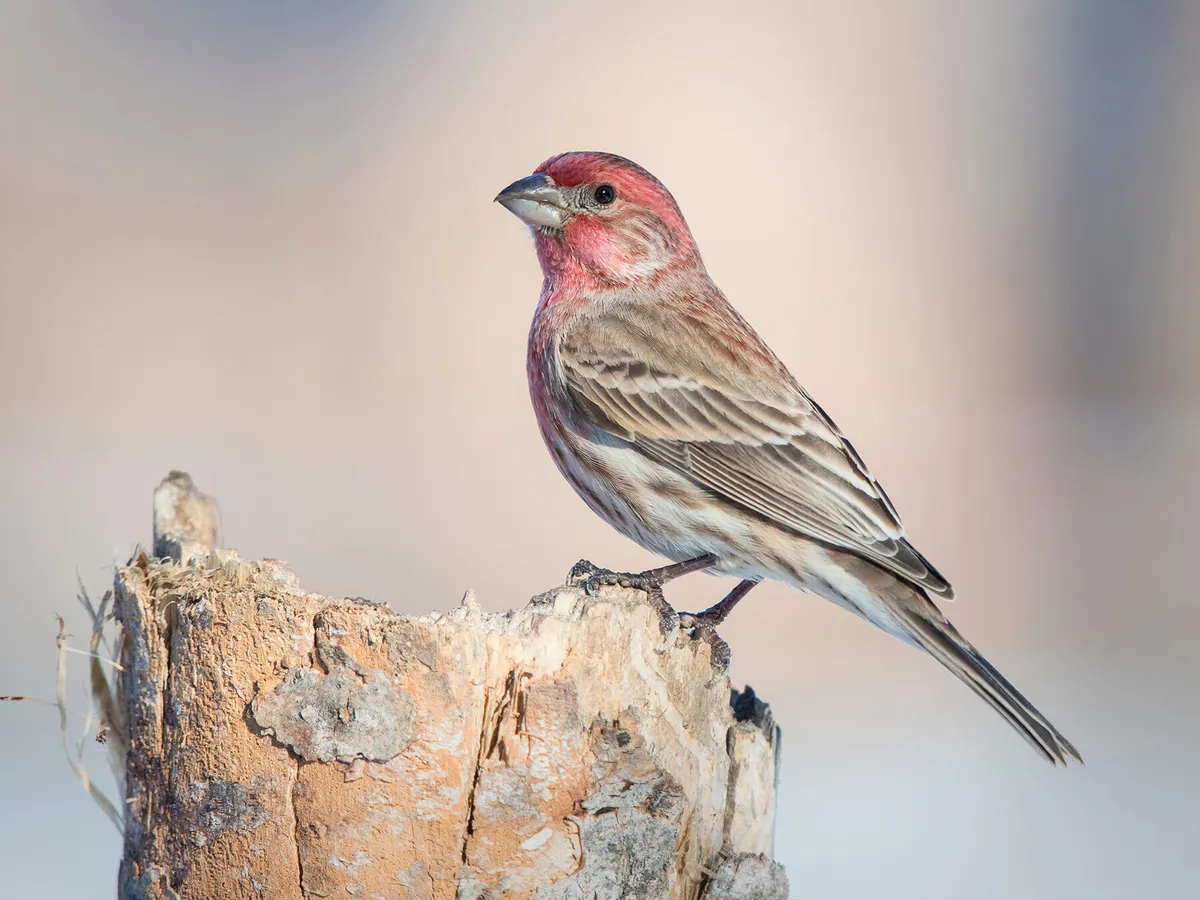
{"type": "Point", "coordinates": [282, 744]}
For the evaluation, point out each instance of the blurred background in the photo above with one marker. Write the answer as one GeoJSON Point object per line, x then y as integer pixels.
{"type": "Point", "coordinates": [256, 242]}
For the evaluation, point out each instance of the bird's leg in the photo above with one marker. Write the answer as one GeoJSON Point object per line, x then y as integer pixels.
{"type": "Point", "coordinates": [589, 577]}
{"type": "Point", "coordinates": [703, 625]}
{"type": "Point", "coordinates": [715, 615]}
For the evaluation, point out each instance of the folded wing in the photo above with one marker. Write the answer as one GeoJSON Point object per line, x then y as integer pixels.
{"type": "Point", "coordinates": [709, 400]}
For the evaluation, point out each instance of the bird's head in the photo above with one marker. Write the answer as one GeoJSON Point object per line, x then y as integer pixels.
{"type": "Point", "coordinates": [601, 216]}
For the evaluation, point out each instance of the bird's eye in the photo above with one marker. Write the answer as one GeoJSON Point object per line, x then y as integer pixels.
{"type": "Point", "coordinates": [605, 194]}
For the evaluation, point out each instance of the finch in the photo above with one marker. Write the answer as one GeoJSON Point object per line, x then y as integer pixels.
{"type": "Point", "coordinates": [678, 426]}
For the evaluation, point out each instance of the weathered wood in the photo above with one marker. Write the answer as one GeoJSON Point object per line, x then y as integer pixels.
{"type": "Point", "coordinates": [187, 523]}
{"type": "Point", "coordinates": [282, 744]}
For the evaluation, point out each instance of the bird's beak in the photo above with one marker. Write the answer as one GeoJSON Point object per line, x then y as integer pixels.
{"type": "Point", "coordinates": [536, 200]}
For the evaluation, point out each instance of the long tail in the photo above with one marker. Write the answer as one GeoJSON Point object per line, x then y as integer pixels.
{"type": "Point", "coordinates": [935, 635]}
{"type": "Point", "coordinates": [907, 612]}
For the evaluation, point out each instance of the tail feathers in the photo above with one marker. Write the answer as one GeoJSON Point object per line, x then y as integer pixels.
{"type": "Point", "coordinates": [934, 634]}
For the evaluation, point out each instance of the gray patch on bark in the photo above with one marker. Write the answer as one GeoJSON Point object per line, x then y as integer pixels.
{"type": "Point", "coordinates": [343, 715]}
{"type": "Point", "coordinates": [748, 877]}
{"type": "Point", "coordinates": [406, 644]}
{"type": "Point", "coordinates": [629, 829]}
{"type": "Point", "coordinates": [207, 809]}
{"type": "Point", "coordinates": [471, 889]}
{"type": "Point", "coordinates": [506, 791]}
{"type": "Point", "coordinates": [150, 885]}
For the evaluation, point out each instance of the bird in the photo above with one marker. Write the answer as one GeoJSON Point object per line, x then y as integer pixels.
{"type": "Point", "coordinates": [677, 424]}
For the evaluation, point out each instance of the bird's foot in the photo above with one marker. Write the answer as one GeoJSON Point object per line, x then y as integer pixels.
{"type": "Point", "coordinates": [716, 614]}
{"type": "Point", "coordinates": [590, 577]}
{"type": "Point", "coordinates": [706, 620]}
{"type": "Point", "coordinates": [586, 575]}
{"type": "Point", "coordinates": [703, 627]}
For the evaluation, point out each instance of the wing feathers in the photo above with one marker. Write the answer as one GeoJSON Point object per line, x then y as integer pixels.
{"type": "Point", "coordinates": [764, 446]}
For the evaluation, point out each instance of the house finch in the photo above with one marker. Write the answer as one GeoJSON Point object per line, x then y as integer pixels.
{"type": "Point", "coordinates": [679, 427]}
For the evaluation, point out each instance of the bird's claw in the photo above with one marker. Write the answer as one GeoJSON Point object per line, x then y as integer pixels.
{"type": "Point", "coordinates": [591, 577]}
{"type": "Point", "coordinates": [581, 572]}
{"type": "Point", "coordinates": [703, 627]}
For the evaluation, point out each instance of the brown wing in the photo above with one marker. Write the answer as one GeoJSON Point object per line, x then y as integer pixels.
{"type": "Point", "coordinates": [709, 400]}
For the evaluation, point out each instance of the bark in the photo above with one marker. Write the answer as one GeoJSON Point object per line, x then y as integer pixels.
{"type": "Point", "coordinates": [283, 744]}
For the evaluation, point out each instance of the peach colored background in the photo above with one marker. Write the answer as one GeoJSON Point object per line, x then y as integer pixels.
{"type": "Point", "coordinates": [256, 241]}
